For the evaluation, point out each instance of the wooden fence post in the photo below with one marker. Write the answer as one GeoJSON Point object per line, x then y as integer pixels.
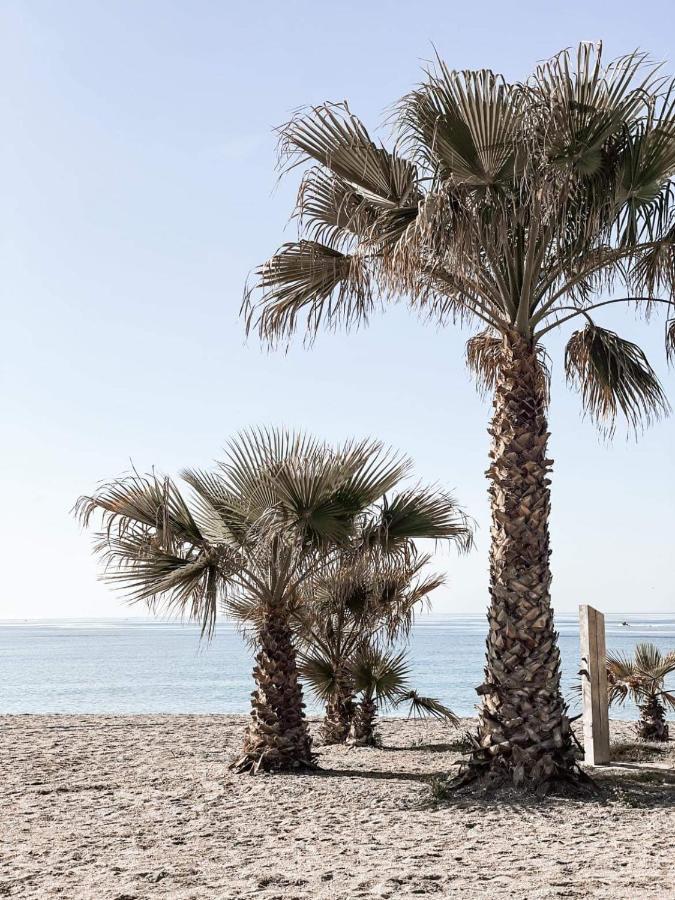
{"type": "Point", "coordinates": [594, 686]}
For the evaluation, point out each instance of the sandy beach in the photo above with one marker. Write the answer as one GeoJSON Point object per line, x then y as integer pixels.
{"type": "Point", "coordinates": [128, 808]}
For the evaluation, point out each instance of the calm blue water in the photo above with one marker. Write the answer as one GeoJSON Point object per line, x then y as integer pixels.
{"type": "Point", "coordinates": [141, 666]}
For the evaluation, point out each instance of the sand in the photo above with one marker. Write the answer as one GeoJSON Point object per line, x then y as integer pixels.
{"type": "Point", "coordinates": [139, 807]}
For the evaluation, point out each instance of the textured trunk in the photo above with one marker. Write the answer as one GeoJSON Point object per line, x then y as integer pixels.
{"type": "Point", "coordinates": [652, 725]}
{"type": "Point", "coordinates": [362, 731]}
{"type": "Point", "coordinates": [524, 733]}
{"type": "Point", "coordinates": [277, 738]}
{"type": "Point", "coordinates": [340, 711]}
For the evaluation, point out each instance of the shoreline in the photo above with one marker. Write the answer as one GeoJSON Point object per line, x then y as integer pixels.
{"type": "Point", "coordinates": [142, 807]}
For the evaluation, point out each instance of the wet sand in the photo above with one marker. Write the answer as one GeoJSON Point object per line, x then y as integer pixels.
{"type": "Point", "coordinates": [136, 807]}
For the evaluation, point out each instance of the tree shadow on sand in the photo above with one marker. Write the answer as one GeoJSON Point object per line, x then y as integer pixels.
{"type": "Point", "coordinates": [458, 746]}
{"type": "Point", "coordinates": [378, 775]}
{"type": "Point", "coordinates": [630, 784]}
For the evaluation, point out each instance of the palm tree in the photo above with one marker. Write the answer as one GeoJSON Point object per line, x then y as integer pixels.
{"type": "Point", "coordinates": [381, 678]}
{"type": "Point", "coordinates": [276, 510]}
{"type": "Point", "coordinates": [514, 208]}
{"type": "Point", "coordinates": [642, 678]}
{"type": "Point", "coordinates": [357, 606]}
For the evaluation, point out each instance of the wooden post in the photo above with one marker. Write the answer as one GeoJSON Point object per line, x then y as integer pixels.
{"type": "Point", "coordinates": [594, 686]}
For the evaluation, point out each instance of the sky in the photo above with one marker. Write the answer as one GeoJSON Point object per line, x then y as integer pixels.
{"type": "Point", "coordinates": [138, 184]}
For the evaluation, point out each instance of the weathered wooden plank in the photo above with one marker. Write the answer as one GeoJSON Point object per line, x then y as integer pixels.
{"type": "Point", "coordinates": [594, 686]}
{"type": "Point", "coordinates": [602, 752]}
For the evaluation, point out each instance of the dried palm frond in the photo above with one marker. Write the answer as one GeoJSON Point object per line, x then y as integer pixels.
{"type": "Point", "coordinates": [328, 287]}
{"type": "Point", "coordinates": [426, 706]}
{"type": "Point", "coordinates": [331, 211]}
{"type": "Point", "coordinates": [613, 374]}
{"type": "Point", "coordinates": [484, 352]}
{"type": "Point", "coordinates": [670, 341]}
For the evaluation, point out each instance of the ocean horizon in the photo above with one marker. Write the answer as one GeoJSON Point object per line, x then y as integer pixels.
{"type": "Point", "coordinates": [138, 665]}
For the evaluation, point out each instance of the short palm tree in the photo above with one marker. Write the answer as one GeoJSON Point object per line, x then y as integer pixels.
{"type": "Point", "coordinates": [381, 677]}
{"type": "Point", "coordinates": [357, 607]}
{"type": "Point", "coordinates": [251, 533]}
{"type": "Point", "coordinates": [642, 678]}
{"type": "Point", "coordinates": [514, 208]}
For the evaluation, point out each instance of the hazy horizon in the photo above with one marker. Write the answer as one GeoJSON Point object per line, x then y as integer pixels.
{"type": "Point", "coordinates": [139, 191]}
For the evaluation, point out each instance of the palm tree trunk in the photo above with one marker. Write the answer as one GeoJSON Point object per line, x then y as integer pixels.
{"type": "Point", "coordinates": [340, 711]}
{"type": "Point", "coordinates": [362, 731]}
{"type": "Point", "coordinates": [277, 738]}
{"type": "Point", "coordinates": [523, 733]}
{"type": "Point", "coordinates": [652, 725]}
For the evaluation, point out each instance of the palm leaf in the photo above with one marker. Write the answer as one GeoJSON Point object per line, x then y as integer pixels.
{"type": "Point", "coordinates": [380, 674]}
{"type": "Point", "coordinates": [613, 375]}
{"type": "Point", "coordinates": [218, 511]}
{"type": "Point", "coordinates": [426, 706]}
{"type": "Point", "coordinates": [585, 104]}
{"type": "Point", "coordinates": [319, 672]}
{"type": "Point", "coordinates": [670, 341]}
{"type": "Point", "coordinates": [142, 502]}
{"type": "Point", "coordinates": [463, 124]}
{"type": "Point", "coordinates": [313, 280]}
{"type": "Point", "coordinates": [668, 699]}
{"type": "Point", "coordinates": [641, 676]}
{"type": "Point", "coordinates": [483, 358]}
{"type": "Point", "coordinates": [331, 211]}
{"type": "Point", "coordinates": [333, 136]}
{"type": "Point", "coordinates": [188, 584]}
{"type": "Point", "coordinates": [419, 513]}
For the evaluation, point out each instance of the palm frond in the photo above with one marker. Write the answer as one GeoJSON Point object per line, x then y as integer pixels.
{"type": "Point", "coordinates": [463, 125]}
{"type": "Point", "coordinates": [245, 609]}
{"type": "Point", "coordinates": [613, 375]}
{"type": "Point", "coordinates": [670, 341]}
{"type": "Point", "coordinates": [311, 280]}
{"type": "Point", "coordinates": [648, 657]}
{"type": "Point", "coordinates": [653, 269]}
{"type": "Point", "coordinates": [586, 104]}
{"type": "Point", "coordinates": [142, 502]}
{"type": "Point", "coordinates": [419, 513]}
{"type": "Point", "coordinates": [380, 674]}
{"type": "Point", "coordinates": [333, 136]}
{"type": "Point", "coordinates": [641, 676]}
{"type": "Point", "coordinates": [320, 494]}
{"type": "Point", "coordinates": [187, 583]}
{"type": "Point", "coordinates": [668, 698]}
{"type": "Point", "coordinates": [484, 352]}
{"type": "Point", "coordinates": [319, 672]}
{"type": "Point", "coordinates": [221, 515]}
{"type": "Point", "coordinates": [331, 211]}
{"type": "Point", "coordinates": [647, 162]}
{"type": "Point", "coordinates": [372, 470]}
{"type": "Point", "coordinates": [483, 356]}
{"type": "Point", "coordinates": [426, 706]}
{"type": "Point", "coordinates": [652, 663]}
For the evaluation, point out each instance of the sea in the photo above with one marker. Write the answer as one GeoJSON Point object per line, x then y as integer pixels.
{"type": "Point", "coordinates": [137, 665]}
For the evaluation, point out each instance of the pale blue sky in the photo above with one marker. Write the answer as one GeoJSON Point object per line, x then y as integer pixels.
{"type": "Point", "coordinates": [137, 167]}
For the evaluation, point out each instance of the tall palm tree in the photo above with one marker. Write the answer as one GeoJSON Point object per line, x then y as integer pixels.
{"type": "Point", "coordinates": [514, 208]}
{"type": "Point", "coordinates": [358, 606]}
{"type": "Point", "coordinates": [276, 510]}
{"type": "Point", "coordinates": [642, 678]}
